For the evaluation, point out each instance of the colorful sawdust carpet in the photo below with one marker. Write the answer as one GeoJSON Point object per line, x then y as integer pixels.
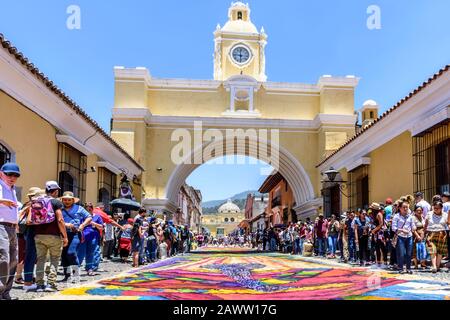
{"type": "Point", "coordinates": [217, 276]}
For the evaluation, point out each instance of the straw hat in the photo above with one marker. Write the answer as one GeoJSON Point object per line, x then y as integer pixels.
{"type": "Point", "coordinates": [375, 206]}
{"type": "Point", "coordinates": [33, 191]}
{"type": "Point", "coordinates": [70, 195]}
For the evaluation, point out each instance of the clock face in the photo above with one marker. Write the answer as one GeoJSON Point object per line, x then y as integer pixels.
{"type": "Point", "coordinates": [240, 55]}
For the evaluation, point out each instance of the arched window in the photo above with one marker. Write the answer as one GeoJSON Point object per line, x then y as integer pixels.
{"type": "Point", "coordinates": [239, 15]}
{"type": "Point", "coordinates": [5, 155]}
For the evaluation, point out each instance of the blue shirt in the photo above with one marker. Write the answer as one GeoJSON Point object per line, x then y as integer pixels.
{"type": "Point", "coordinates": [90, 232]}
{"type": "Point", "coordinates": [446, 207]}
{"type": "Point", "coordinates": [8, 214]}
{"type": "Point", "coordinates": [76, 215]}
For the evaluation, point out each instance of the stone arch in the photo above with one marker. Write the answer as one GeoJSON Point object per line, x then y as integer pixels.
{"type": "Point", "coordinates": [289, 167]}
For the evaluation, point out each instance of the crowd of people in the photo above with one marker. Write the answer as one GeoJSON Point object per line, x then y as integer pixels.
{"type": "Point", "coordinates": [395, 235]}
{"type": "Point", "coordinates": [52, 230]}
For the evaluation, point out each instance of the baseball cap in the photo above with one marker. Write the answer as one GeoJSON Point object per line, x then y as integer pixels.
{"type": "Point", "coordinates": [51, 185]}
{"type": "Point", "coordinates": [10, 167]}
{"type": "Point", "coordinates": [446, 194]}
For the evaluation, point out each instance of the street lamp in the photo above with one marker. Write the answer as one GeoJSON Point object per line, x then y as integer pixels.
{"type": "Point", "coordinates": [331, 175]}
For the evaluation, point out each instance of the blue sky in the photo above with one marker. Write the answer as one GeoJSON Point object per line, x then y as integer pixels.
{"type": "Point", "coordinates": [173, 39]}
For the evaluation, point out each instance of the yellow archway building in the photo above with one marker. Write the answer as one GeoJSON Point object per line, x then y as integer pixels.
{"type": "Point", "coordinates": [310, 120]}
{"type": "Point", "coordinates": [225, 221]}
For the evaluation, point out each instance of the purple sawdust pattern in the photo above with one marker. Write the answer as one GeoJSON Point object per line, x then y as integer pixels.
{"type": "Point", "coordinates": [242, 274]}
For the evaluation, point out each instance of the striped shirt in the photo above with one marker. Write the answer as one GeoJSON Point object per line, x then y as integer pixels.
{"type": "Point", "coordinates": [405, 223]}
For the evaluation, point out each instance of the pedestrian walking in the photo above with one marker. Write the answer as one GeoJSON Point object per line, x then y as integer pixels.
{"type": "Point", "coordinates": [76, 219]}
{"type": "Point", "coordinates": [403, 226]}
{"type": "Point", "coordinates": [90, 246]}
{"type": "Point", "coordinates": [46, 219]}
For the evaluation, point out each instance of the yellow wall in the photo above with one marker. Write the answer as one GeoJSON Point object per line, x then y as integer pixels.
{"type": "Point", "coordinates": [337, 101]}
{"type": "Point", "coordinates": [92, 180]}
{"type": "Point", "coordinates": [279, 106]}
{"type": "Point", "coordinates": [391, 169]}
{"type": "Point", "coordinates": [229, 69]}
{"type": "Point", "coordinates": [214, 221]}
{"type": "Point", "coordinates": [159, 147]}
{"type": "Point", "coordinates": [33, 141]}
{"type": "Point", "coordinates": [184, 103]}
{"type": "Point", "coordinates": [175, 102]}
{"type": "Point", "coordinates": [130, 94]}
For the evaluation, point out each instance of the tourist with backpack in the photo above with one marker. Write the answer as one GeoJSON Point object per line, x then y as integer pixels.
{"type": "Point", "coordinates": [50, 236]}
{"type": "Point", "coordinates": [9, 173]}
{"type": "Point", "coordinates": [76, 219]}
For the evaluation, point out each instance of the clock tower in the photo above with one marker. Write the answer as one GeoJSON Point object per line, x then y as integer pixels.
{"type": "Point", "coordinates": [239, 47]}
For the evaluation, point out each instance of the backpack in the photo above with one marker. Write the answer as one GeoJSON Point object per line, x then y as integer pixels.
{"type": "Point", "coordinates": [41, 211]}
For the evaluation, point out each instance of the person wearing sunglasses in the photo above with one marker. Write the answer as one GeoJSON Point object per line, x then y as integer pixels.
{"type": "Point", "coordinates": [9, 173]}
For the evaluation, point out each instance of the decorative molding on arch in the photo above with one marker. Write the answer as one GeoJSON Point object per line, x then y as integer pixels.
{"type": "Point", "coordinates": [160, 204]}
{"type": "Point", "coordinates": [289, 167]}
{"type": "Point", "coordinates": [309, 208]}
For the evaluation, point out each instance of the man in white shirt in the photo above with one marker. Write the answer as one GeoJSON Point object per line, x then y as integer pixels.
{"type": "Point", "coordinates": [426, 207]}
{"type": "Point", "coordinates": [9, 173]}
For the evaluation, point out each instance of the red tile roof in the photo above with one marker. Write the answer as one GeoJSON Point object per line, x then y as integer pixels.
{"type": "Point", "coordinates": [386, 113]}
{"type": "Point", "coordinates": [72, 104]}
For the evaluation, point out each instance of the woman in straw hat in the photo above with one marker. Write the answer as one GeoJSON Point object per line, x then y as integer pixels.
{"type": "Point", "coordinates": [76, 219]}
